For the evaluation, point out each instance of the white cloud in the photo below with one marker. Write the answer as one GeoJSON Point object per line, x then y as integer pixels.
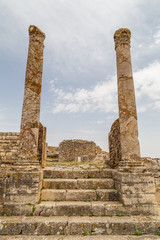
{"type": "Point", "coordinates": [147, 81]}
{"type": "Point", "coordinates": [103, 96]}
{"type": "Point", "coordinates": [157, 36]}
{"type": "Point", "coordinates": [77, 32]}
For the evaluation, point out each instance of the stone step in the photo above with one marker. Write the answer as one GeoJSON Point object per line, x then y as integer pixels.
{"type": "Point", "coordinates": [79, 195]}
{"type": "Point", "coordinates": [50, 172]}
{"type": "Point", "coordinates": [79, 225]}
{"type": "Point", "coordinates": [78, 183]}
{"type": "Point", "coordinates": [79, 237]}
{"type": "Point", "coordinates": [76, 208]}
{"type": "Point", "coordinates": [64, 208]}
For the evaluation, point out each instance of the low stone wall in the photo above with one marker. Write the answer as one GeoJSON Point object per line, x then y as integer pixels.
{"type": "Point", "coordinates": [114, 145]}
{"type": "Point", "coordinates": [153, 166]}
{"type": "Point", "coordinates": [9, 143]}
{"type": "Point", "coordinates": [70, 149]}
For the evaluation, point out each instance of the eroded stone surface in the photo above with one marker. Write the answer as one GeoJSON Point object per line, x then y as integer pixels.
{"type": "Point", "coordinates": [126, 96]}
{"type": "Point", "coordinates": [32, 96]}
{"type": "Point", "coordinates": [114, 145]}
{"type": "Point", "coordinates": [71, 149]}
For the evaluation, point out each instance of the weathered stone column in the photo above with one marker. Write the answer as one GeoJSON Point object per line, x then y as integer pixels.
{"type": "Point", "coordinates": [32, 95]}
{"type": "Point", "coordinates": [126, 96]}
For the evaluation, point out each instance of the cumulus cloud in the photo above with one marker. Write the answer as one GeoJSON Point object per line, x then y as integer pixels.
{"type": "Point", "coordinates": [157, 36]}
{"type": "Point", "coordinates": [77, 32]}
{"type": "Point", "coordinates": [103, 96]}
{"type": "Point", "coordinates": [147, 81]}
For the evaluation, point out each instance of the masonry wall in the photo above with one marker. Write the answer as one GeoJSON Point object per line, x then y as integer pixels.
{"type": "Point", "coordinates": [153, 166]}
{"type": "Point", "coordinates": [114, 145]}
{"type": "Point", "coordinates": [69, 149]}
{"type": "Point", "coordinates": [9, 143]}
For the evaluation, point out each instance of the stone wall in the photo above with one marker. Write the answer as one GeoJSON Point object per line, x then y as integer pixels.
{"type": "Point", "coordinates": [136, 186]}
{"type": "Point", "coordinates": [70, 149]}
{"type": "Point", "coordinates": [153, 166]}
{"type": "Point", "coordinates": [9, 143]}
{"type": "Point", "coordinates": [114, 145]}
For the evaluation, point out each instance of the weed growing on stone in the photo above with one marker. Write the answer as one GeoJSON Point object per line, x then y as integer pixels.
{"type": "Point", "coordinates": [94, 188]}
{"type": "Point", "coordinates": [8, 215]}
{"type": "Point", "coordinates": [119, 215]}
{"type": "Point", "coordinates": [92, 214]}
{"type": "Point", "coordinates": [39, 201]}
{"type": "Point", "coordinates": [97, 196]}
{"type": "Point", "coordinates": [84, 233]}
{"type": "Point", "coordinates": [103, 215]}
{"type": "Point", "coordinates": [158, 234]}
{"type": "Point", "coordinates": [138, 233]}
{"type": "Point", "coordinates": [33, 208]}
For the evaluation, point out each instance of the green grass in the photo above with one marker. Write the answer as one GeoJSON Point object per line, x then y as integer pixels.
{"type": "Point", "coordinates": [158, 234]}
{"type": "Point", "coordinates": [119, 215]}
{"type": "Point", "coordinates": [110, 215]}
{"type": "Point", "coordinates": [8, 215]}
{"type": "Point", "coordinates": [92, 214]}
{"type": "Point", "coordinates": [84, 233]}
{"type": "Point", "coordinates": [138, 233]}
{"type": "Point", "coordinates": [29, 204]}
{"type": "Point", "coordinates": [94, 188]}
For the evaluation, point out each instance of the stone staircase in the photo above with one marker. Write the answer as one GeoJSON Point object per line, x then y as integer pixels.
{"type": "Point", "coordinates": [9, 143]}
{"type": "Point", "coordinates": [76, 204]}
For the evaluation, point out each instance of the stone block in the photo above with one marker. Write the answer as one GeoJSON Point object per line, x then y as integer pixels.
{"type": "Point", "coordinates": [106, 195]}
{"type": "Point", "coordinates": [81, 195]}
{"type": "Point", "coordinates": [53, 195]}
{"type": "Point", "coordinates": [95, 183]}
{"type": "Point", "coordinates": [76, 226]}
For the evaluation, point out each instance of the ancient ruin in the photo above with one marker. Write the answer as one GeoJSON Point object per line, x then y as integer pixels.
{"type": "Point", "coordinates": [116, 197]}
{"type": "Point", "coordinates": [71, 149]}
{"type": "Point", "coordinates": [126, 96]}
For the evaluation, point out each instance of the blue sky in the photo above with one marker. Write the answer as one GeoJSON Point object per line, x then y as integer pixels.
{"type": "Point", "coordinates": [79, 89]}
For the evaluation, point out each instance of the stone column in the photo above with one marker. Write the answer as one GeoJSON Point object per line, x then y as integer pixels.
{"type": "Point", "coordinates": [32, 95]}
{"type": "Point", "coordinates": [126, 96]}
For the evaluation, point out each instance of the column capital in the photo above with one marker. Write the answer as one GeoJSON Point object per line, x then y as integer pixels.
{"type": "Point", "coordinates": [122, 36]}
{"type": "Point", "coordinates": [35, 32]}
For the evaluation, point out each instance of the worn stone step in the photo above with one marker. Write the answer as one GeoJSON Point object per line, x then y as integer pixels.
{"type": "Point", "coordinates": [50, 172]}
{"type": "Point", "coordinates": [76, 208]}
{"type": "Point", "coordinates": [79, 237]}
{"type": "Point", "coordinates": [78, 183]}
{"type": "Point", "coordinates": [65, 208]}
{"type": "Point", "coordinates": [79, 195]}
{"type": "Point", "coordinates": [79, 225]}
